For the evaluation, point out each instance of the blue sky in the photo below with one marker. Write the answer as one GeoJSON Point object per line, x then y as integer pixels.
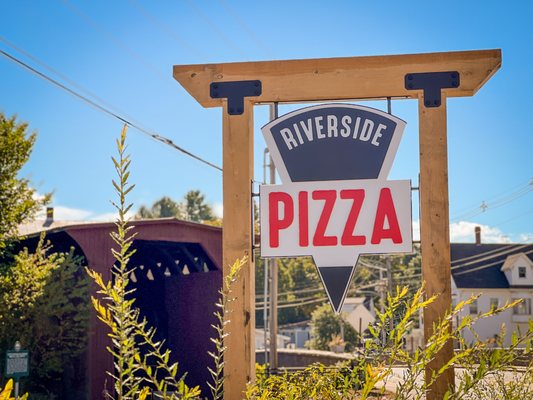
{"type": "Point", "coordinates": [123, 51]}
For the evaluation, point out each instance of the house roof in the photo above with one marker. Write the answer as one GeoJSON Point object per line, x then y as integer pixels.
{"type": "Point", "coordinates": [479, 266]}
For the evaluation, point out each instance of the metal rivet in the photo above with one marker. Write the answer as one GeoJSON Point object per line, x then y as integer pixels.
{"type": "Point", "coordinates": [410, 77]}
{"type": "Point", "coordinates": [215, 86]}
{"type": "Point", "coordinates": [410, 85]}
{"type": "Point", "coordinates": [257, 93]}
{"type": "Point", "coordinates": [436, 102]}
{"type": "Point", "coordinates": [215, 94]}
{"type": "Point", "coordinates": [427, 103]}
{"type": "Point", "coordinates": [256, 84]}
{"type": "Point", "coordinates": [454, 84]}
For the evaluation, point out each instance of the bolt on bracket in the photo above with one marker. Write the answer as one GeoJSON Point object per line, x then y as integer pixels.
{"type": "Point", "coordinates": [235, 92]}
{"type": "Point", "coordinates": [432, 83]}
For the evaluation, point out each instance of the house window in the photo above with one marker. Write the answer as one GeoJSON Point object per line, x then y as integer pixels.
{"type": "Point", "coordinates": [494, 303]}
{"type": "Point", "coordinates": [522, 308]}
{"type": "Point", "coordinates": [521, 272]}
{"type": "Point", "coordinates": [473, 307]}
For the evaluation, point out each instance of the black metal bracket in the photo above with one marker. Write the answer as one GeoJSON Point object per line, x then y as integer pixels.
{"type": "Point", "coordinates": [432, 83]}
{"type": "Point", "coordinates": [235, 92]}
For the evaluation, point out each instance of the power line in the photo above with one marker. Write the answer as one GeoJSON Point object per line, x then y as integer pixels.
{"type": "Point", "coordinates": [244, 26]}
{"type": "Point", "coordinates": [497, 196]}
{"type": "Point", "coordinates": [166, 29]}
{"type": "Point", "coordinates": [482, 257]}
{"type": "Point", "coordinates": [221, 34]}
{"type": "Point", "coordinates": [105, 110]}
{"type": "Point", "coordinates": [497, 202]}
{"type": "Point", "coordinates": [485, 266]}
{"type": "Point", "coordinates": [97, 27]}
{"type": "Point", "coordinates": [65, 78]}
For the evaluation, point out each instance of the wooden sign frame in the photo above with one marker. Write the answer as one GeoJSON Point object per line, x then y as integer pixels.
{"type": "Point", "coordinates": [430, 78]}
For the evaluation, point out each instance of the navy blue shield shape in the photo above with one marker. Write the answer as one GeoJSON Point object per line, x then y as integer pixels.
{"type": "Point", "coordinates": [333, 142]}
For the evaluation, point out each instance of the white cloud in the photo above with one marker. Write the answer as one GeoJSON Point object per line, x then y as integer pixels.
{"type": "Point", "coordinates": [464, 232]}
{"type": "Point", "coordinates": [218, 209]}
{"type": "Point", "coordinates": [525, 237]}
{"type": "Point", "coordinates": [416, 230]}
{"type": "Point", "coordinates": [62, 213]}
{"type": "Point", "coordinates": [110, 216]}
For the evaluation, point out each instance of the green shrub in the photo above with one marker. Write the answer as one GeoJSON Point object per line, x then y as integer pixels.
{"type": "Point", "coordinates": [44, 303]}
{"type": "Point", "coordinates": [485, 371]}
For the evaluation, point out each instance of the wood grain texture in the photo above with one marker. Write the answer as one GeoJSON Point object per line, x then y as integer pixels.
{"type": "Point", "coordinates": [435, 233]}
{"type": "Point", "coordinates": [239, 360]}
{"type": "Point", "coordinates": [340, 78]}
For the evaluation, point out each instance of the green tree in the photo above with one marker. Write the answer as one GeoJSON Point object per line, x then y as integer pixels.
{"type": "Point", "coordinates": [325, 325]}
{"type": "Point", "coordinates": [165, 207]}
{"type": "Point", "coordinates": [18, 201]}
{"type": "Point", "coordinates": [299, 289]}
{"type": "Point", "coordinates": [196, 209]}
{"type": "Point", "coordinates": [192, 208]}
{"type": "Point", "coordinates": [44, 303]}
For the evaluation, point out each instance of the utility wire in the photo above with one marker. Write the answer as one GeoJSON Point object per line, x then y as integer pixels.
{"type": "Point", "coordinates": [489, 257]}
{"type": "Point", "coordinates": [66, 79]}
{"type": "Point", "coordinates": [105, 110]}
{"type": "Point", "coordinates": [485, 266]}
{"type": "Point", "coordinates": [244, 26]}
{"type": "Point", "coordinates": [97, 27]}
{"type": "Point", "coordinates": [166, 29]}
{"type": "Point", "coordinates": [497, 202]}
{"type": "Point", "coordinates": [221, 35]}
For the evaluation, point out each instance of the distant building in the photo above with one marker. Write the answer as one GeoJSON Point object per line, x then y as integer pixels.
{"type": "Point", "coordinates": [298, 333]}
{"type": "Point", "coordinates": [359, 312]}
{"type": "Point", "coordinates": [500, 273]}
{"type": "Point", "coordinates": [281, 341]}
{"type": "Point", "coordinates": [176, 281]}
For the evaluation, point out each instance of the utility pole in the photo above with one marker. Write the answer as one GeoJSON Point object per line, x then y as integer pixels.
{"type": "Point", "coordinates": [273, 267]}
{"type": "Point", "coordinates": [389, 285]}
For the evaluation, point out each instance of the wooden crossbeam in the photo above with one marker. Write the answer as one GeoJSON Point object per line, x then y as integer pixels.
{"type": "Point", "coordinates": [340, 78]}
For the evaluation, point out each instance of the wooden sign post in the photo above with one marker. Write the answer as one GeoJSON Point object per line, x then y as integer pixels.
{"type": "Point", "coordinates": [429, 78]}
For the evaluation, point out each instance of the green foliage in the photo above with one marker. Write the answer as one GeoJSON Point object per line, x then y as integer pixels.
{"type": "Point", "coordinates": [165, 207]}
{"type": "Point", "coordinates": [192, 208]}
{"type": "Point", "coordinates": [315, 382]}
{"type": "Point", "coordinates": [222, 314]}
{"type": "Point", "coordinates": [17, 198]}
{"type": "Point", "coordinates": [44, 304]}
{"type": "Point", "coordinates": [196, 209]}
{"type": "Point", "coordinates": [141, 363]}
{"type": "Point", "coordinates": [487, 372]}
{"type": "Point", "coordinates": [299, 289]}
{"type": "Point", "coordinates": [326, 326]}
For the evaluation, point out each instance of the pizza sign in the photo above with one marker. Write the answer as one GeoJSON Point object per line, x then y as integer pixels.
{"type": "Point", "coordinates": [335, 202]}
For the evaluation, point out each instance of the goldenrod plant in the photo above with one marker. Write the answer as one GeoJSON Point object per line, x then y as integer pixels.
{"type": "Point", "coordinates": [137, 374]}
{"type": "Point", "coordinates": [485, 369]}
{"type": "Point", "coordinates": [222, 315]}
{"type": "Point", "coordinates": [5, 394]}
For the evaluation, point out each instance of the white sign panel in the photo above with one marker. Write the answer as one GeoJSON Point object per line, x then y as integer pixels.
{"type": "Point", "coordinates": [335, 221]}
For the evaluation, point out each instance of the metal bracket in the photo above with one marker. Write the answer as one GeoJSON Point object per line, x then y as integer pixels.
{"type": "Point", "coordinates": [235, 92]}
{"type": "Point", "coordinates": [432, 83]}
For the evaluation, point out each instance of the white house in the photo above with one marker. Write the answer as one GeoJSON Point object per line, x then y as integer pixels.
{"type": "Point", "coordinates": [359, 312]}
{"type": "Point", "coordinates": [281, 340]}
{"type": "Point", "coordinates": [500, 273]}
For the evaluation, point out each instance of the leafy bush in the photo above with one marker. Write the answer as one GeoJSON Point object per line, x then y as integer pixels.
{"type": "Point", "coordinates": [484, 373]}
{"type": "Point", "coordinates": [44, 304]}
{"type": "Point", "coordinates": [326, 325]}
